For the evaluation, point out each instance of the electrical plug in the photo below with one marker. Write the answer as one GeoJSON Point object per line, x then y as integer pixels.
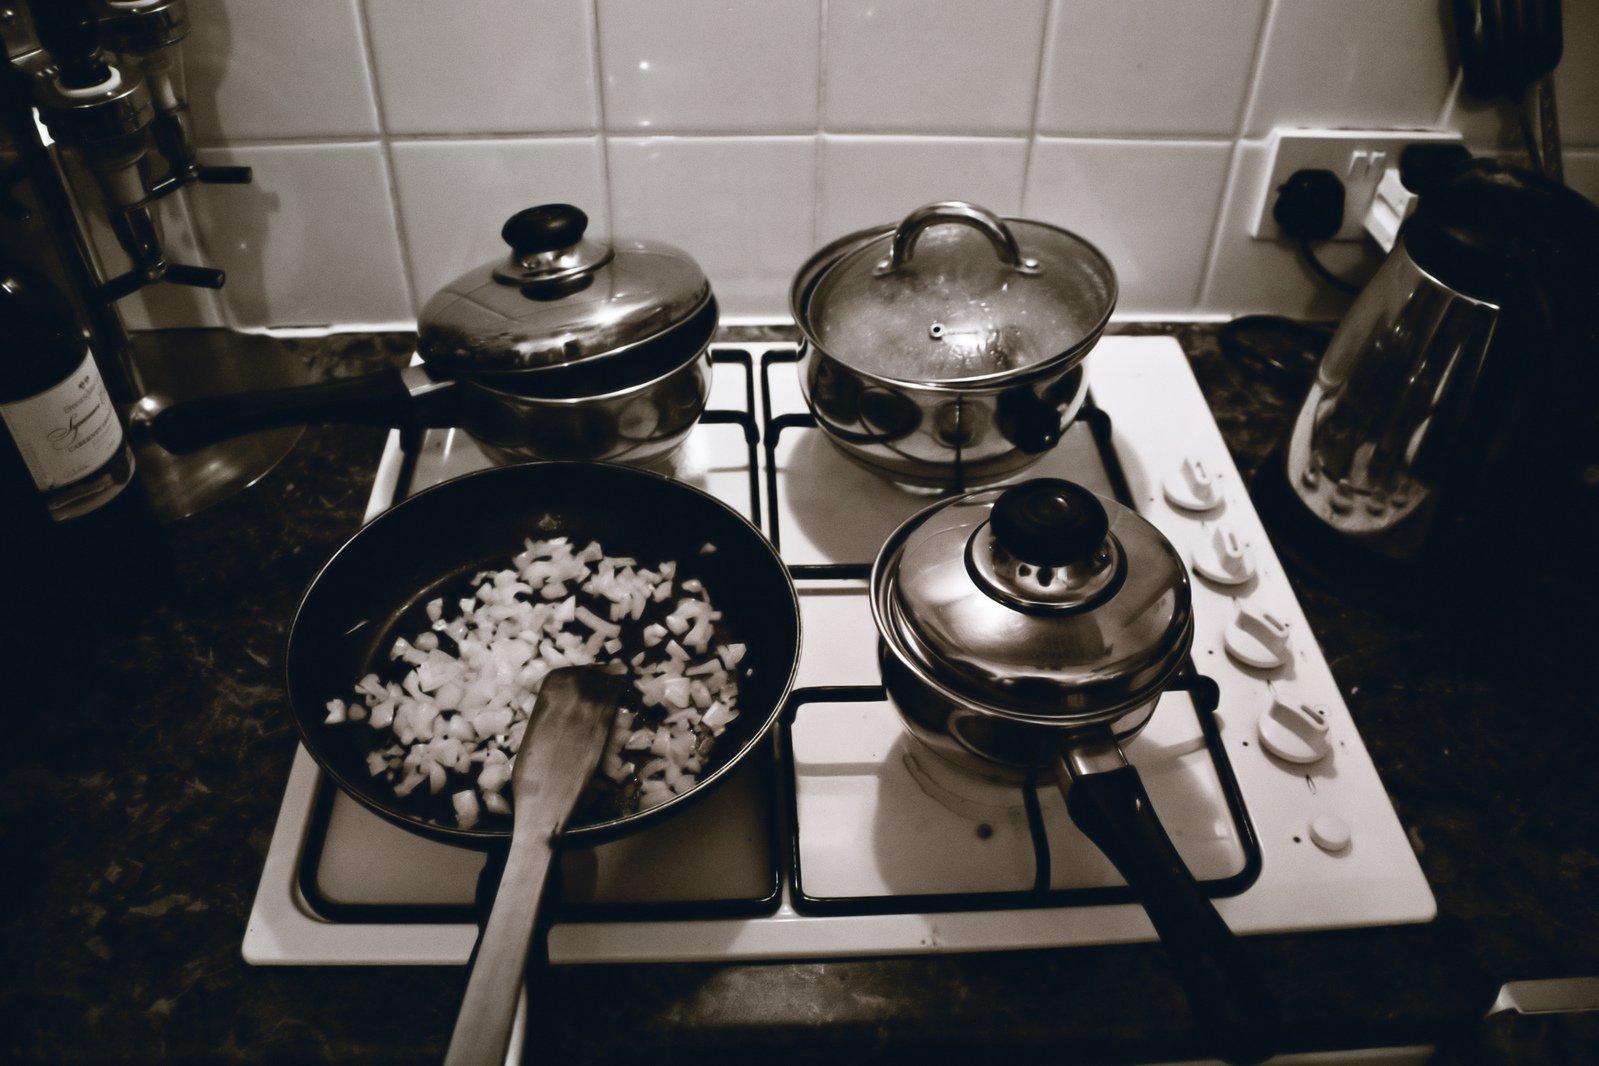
{"type": "Point", "coordinates": [1310, 205]}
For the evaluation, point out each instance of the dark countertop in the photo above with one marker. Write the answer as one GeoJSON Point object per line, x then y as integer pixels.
{"type": "Point", "coordinates": [150, 751]}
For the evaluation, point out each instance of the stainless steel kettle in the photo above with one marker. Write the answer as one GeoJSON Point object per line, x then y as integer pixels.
{"type": "Point", "coordinates": [1463, 377]}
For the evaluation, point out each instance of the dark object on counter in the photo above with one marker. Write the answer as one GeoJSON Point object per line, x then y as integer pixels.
{"type": "Point", "coordinates": [1287, 349]}
{"type": "Point", "coordinates": [946, 352]}
{"type": "Point", "coordinates": [83, 554]}
{"type": "Point", "coordinates": [61, 423]}
{"type": "Point", "coordinates": [565, 349]}
{"type": "Point", "coordinates": [1459, 399]}
{"type": "Point", "coordinates": [1508, 51]}
{"type": "Point", "coordinates": [1036, 628]}
{"type": "Point", "coordinates": [375, 588]}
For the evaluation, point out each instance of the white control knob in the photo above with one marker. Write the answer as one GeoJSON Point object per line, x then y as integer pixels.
{"type": "Point", "coordinates": [1295, 731]}
{"type": "Point", "coordinates": [1330, 832]}
{"type": "Point", "coordinates": [1224, 558]}
{"type": "Point", "coordinates": [1257, 638]}
{"type": "Point", "coordinates": [1192, 486]}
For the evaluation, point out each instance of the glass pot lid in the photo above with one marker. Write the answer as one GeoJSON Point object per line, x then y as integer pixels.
{"type": "Point", "coordinates": [957, 294]}
{"type": "Point", "coordinates": [561, 299]}
{"type": "Point", "coordinates": [1041, 602]}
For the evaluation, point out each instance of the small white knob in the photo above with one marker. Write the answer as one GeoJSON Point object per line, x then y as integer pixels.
{"type": "Point", "coordinates": [1296, 732]}
{"type": "Point", "coordinates": [1330, 832]}
{"type": "Point", "coordinates": [1224, 558]}
{"type": "Point", "coordinates": [1257, 638]}
{"type": "Point", "coordinates": [1192, 486]}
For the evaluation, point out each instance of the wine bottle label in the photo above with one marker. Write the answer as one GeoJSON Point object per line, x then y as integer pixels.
{"type": "Point", "coordinates": [68, 431]}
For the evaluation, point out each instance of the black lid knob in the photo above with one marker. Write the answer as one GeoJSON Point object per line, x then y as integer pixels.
{"type": "Point", "coordinates": [546, 228]}
{"type": "Point", "coordinates": [1049, 522]}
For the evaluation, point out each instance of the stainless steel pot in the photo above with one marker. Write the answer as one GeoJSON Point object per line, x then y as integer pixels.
{"type": "Point", "coordinates": [946, 352]}
{"type": "Point", "coordinates": [1037, 627]}
{"type": "Point", "coordinates": [565, 349]}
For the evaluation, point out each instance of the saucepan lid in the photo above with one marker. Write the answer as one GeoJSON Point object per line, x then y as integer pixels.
{"type": "Point", "coordinates": [1043, 602]}
{"type": "Point", "coordinates": [562, 300]}
{"type": "Point", "coordinates": [956, 294]}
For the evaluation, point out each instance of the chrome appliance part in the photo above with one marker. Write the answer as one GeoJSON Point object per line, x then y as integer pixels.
{"type": "Point", "coordinates": [99, 106]}
{"type": "Point", "coordinates": [1458, 393]}
{"type": "Point", "coordinates": [1387, 398]}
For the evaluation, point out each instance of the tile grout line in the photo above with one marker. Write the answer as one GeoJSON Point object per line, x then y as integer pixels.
{"type": "Point", "coordinates": [818, 160]}
{"type": "Point", "coordinates": [1235, 162]}
{"type": "Point", "coordinates": [602, 124]}
{"type": "Point", "coordinates": [1051, 16]}
{"type": "Point", "coordinates": [401, 232]}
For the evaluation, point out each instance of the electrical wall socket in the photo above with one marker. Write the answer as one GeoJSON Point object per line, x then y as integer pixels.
{"type": "Point", "coordinates": [1358, 157]}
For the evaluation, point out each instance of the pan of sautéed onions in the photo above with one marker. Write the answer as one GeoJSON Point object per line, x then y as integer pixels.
{"type": "Point", "coordinates": [418, 652]}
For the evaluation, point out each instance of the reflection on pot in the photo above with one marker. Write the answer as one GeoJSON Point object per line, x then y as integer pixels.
{"type": "Point", "coordinates": [924, 436]}
{"type": "Point", "coordinates": [637, 425]}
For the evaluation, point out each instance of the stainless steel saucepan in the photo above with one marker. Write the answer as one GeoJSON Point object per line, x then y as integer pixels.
{"type": "Point", "coordinates": [565, 349]}
{"type": "Point", "coordinates": [946, 352]}
{"type": "Point", "coordinates": [1037, 627]}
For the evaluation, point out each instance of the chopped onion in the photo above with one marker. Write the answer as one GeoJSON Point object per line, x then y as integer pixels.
{"type": "Point", "coordinates": [456, 717]}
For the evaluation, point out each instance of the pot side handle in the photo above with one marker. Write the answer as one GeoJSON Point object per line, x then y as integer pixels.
{"type": "Point", "coordinates": [1225, 992]}
{"type": "Point", "coordinates": [385, 398]}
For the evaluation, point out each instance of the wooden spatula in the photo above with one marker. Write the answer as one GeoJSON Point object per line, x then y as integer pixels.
{"type": "Point", "coordinates": [560, 750]}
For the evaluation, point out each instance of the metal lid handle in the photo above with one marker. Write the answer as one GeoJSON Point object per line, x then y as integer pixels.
{"type": "Point", "coordinates": [981, 219]}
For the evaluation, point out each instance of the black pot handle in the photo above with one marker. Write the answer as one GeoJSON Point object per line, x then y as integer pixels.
{"type": "Point", "coordinates": [1028, 420]}
{"type": "Point", "coordinates": [404, 398]}
{"type": "Point", "coordinates": [1225, 991]}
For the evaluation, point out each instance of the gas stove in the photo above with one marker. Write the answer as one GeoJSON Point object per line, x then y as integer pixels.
{"type": "Point", "coordinates": [845, 838]}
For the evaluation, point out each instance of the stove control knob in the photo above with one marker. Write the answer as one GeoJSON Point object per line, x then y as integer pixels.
{"type": "Point", "coordinates": [1193, 487]}
{"type": "Point", "coordinates": [1224, 558]}
{"type": "Point", "coordinates": [1295, 732]}
{"type": "Point", "coordinates": [1330, 832]}
{"type": "Point", "coordinates": [1257, 638]}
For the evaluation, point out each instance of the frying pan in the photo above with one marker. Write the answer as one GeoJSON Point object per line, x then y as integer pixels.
{"type": "Point", "coordinates": [376, 587]}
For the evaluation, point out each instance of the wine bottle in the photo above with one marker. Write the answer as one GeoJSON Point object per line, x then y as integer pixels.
{"type": "Point", "coordinates": [54, 405]}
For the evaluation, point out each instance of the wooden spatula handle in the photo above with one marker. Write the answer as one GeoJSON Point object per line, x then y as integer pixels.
{"type": "Point", "coordinates": [564, 739]}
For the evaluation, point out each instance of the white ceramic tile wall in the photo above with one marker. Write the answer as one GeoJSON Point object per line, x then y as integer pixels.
{"type": "Point", "coordinates": [392, 137]}
{"type": "Point", "coordinates": [454, 195]}
{"type": "Point", "coordinates": [713, 66]}
{"type": "Point", "coordinates": [484, 66]}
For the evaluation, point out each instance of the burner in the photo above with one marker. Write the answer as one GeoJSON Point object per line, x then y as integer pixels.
{"type": "Point", "coordinates": [829, 514]}
{"type": "Point", "coordinates": [881, 818]}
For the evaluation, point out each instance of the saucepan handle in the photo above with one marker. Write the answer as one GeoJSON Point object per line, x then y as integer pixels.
{"type": "Point", "coordinates": [1107, 801]}
{"type": "Point", "coordinates": [399, 397]}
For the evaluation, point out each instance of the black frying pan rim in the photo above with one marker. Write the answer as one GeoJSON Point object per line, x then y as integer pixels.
{"type": "Point", "coordinates": [305, 720]}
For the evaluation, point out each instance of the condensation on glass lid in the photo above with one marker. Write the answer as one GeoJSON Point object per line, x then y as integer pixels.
{"type": "Point", "coordinates": [953, 312]}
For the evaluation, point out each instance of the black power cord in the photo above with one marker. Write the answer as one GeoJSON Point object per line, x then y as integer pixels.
{"type": "Point", "coordinates": [1310, 207]}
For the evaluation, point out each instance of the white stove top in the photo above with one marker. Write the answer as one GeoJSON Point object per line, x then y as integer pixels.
{"type": "Point", "coordinates": [851, 840]}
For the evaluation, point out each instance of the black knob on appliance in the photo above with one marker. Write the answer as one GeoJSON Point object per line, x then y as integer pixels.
{"type": "Point", "coordinates": [546, 228]}
{"type": "Point", "coordinates": [68, 30]}
{"type": "Point", "coordinates": [1049, 522]}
